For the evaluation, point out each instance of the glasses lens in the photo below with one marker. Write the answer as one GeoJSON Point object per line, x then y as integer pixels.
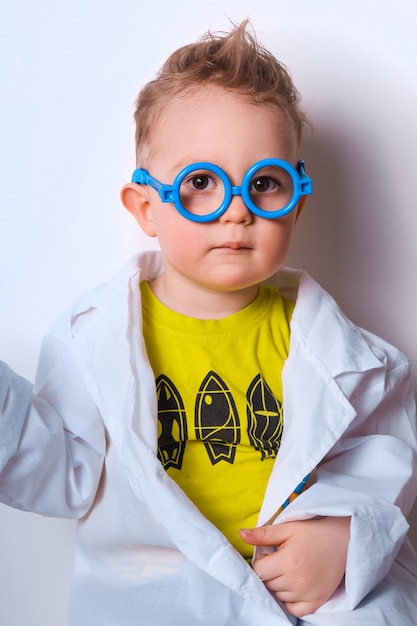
{"type": "Point", "coordinates": [271, 188]}
{"type": "Point", "coordinates": [201, 192]}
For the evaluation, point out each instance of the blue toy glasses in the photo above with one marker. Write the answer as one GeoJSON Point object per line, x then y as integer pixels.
{"type": "Point", "coordinates": [202, 191]}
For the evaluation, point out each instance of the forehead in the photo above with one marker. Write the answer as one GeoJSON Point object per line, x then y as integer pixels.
{"type": "Point", "coordinates": [209, 122]}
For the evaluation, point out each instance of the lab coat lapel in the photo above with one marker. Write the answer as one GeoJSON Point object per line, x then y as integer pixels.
{"type": "Point", "coordinates": [326, 354]}
{"type": "Point", "coordinates": [107, 333]}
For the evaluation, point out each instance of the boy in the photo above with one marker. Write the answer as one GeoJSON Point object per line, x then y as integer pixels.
{"type": "Point", "coordinates": [187, 400]}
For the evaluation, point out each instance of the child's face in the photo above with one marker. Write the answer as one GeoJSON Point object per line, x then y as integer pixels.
{"type": "Point", "coordinates": [233, 254]}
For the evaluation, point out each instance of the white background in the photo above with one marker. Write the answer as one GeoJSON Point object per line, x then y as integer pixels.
{"type": "Point", "coordinates": [69, 73]}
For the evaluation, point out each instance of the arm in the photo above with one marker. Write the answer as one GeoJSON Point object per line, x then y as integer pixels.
{"type": "Point", "coordinates": [370, 475]}
{"type": "Point", "coordinates": [369, 478]}
{"type": "Point", "coordinates": [51, 439]}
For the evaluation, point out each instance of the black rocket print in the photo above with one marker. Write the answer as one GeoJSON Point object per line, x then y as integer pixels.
{"type": "Point", "coordinates": [265, 421]}
{"type": "Point", "coordinates": [216, 419]}
{"type": "Point", "coordinates": [172, 423]}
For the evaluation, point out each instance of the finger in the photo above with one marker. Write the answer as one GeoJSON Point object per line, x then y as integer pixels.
{"type": "Point", "coordinates": [264, 535]}
{"type": "Point", "coordinates": [269, 570]}
{"type": "Point", "coordinates": [300, 609]}
{"type": "Point", "coordinates": [280, 590]}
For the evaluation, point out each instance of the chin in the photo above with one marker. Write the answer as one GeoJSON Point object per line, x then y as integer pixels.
{"type": "Point", "coordinates": [233, 286]}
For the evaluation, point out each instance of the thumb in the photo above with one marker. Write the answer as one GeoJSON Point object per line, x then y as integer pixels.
{"type": "Point", "coordinates": [264, 535]}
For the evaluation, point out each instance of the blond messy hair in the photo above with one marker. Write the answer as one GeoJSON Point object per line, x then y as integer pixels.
{"type": "Point", "coordinates": [234, 61]}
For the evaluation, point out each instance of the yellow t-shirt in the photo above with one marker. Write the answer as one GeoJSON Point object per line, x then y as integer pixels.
{"type": "Point", "coordinates": [219, 396]}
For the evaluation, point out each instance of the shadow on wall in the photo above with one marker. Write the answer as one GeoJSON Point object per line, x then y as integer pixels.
{"type": "Point", "coordinates": [348, 239]}
{"type": "Point", "coordinates": [348, 234]}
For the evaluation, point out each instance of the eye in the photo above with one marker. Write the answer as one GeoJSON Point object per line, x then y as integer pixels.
{"type": "Point", "coordinates": [264, 184]}
{"type": "Point", "coordinates": [200, 182]}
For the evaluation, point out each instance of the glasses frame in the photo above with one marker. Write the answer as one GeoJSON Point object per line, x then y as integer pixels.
{"type": "Point", "coordinates": [302, 186]}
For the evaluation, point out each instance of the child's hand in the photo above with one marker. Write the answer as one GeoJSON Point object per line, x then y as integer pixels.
{"type": "Point", "coordinates": [309, 563]}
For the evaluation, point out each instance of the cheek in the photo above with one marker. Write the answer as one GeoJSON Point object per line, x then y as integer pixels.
{"type": "Point", "coordinates": [279, 238]}
{"type": "Point", "coordinates": [179, 237]}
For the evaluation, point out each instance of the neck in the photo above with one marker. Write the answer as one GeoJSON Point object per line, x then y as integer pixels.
{"type": "Point", "coordinates": [200, 301]}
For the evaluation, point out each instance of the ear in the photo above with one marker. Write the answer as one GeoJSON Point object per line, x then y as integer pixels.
{"type": "Point", "coordinates": [300, 206]}
{"type": "Point", "coordinates": [135, 199]}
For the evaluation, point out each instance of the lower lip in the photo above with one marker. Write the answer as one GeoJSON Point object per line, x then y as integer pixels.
{"type": "Point", "coordinates": [232, 249]}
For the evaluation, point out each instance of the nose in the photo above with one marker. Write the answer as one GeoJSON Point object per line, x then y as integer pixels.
{"type": "Point", "coordinates": [237, 212]}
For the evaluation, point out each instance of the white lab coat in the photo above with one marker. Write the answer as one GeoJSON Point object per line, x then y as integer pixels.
{"type": "Point", "coordinates": [84, 445]}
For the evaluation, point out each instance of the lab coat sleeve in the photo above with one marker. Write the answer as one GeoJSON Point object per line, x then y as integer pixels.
{"type": "Point", "coordinates": [370, 475]}
{"type": "Point", "coordinates": [52, 439]}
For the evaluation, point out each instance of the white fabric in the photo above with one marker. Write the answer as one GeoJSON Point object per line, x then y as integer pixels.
{"type": "Point", "coordinates": [145, 555]}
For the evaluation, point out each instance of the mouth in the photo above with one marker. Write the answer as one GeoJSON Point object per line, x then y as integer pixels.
{"type": "Point", "coordinates": [233, 245]}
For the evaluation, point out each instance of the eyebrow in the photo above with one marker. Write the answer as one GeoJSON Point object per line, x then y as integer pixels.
{"type": "Point", "coordinates": [179, 165]}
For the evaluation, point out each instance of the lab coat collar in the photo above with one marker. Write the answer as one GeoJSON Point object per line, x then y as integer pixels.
{"type": "Point", "coordinates": [321, 325]}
